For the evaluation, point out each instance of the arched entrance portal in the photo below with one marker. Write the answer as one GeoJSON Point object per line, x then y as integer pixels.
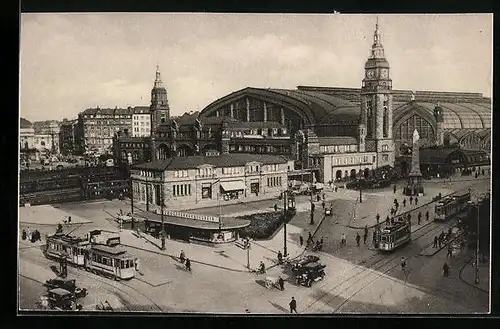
{"type": "Point", "coordinates": [163, 152]}
{"type": "Point", "coordinates": [353, 173]}
{"type": "Point", "coordinates": [367, 173]}
{"type": "Point", "coordinates": [338, 174]}
{"type": "Point", "coordinates": [184, 151]}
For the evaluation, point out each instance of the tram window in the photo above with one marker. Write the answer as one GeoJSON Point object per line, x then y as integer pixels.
{"type": "Point", "coordinates": [104, 261]}
{"type": "Point", "coordinates": [94, 257]}
{"type": "Point", "coordinates": [122, 264]}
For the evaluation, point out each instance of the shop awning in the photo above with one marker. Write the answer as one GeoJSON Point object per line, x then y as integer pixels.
{"type": "Point", "coordinates": [233, 186]}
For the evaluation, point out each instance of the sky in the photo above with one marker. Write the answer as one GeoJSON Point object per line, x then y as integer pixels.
{"type": "Point", "coordinates": [70, 62]}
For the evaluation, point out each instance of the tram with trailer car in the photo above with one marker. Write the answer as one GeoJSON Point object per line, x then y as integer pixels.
{"type": "Point", "coordinates": [99, 253]}
{"type": "Point", "coordinates": [451, 206]}
{"type": "Point", "coordinates": [394, 236]}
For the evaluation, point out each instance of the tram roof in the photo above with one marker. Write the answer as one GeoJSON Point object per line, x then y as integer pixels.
{"type": "Point", "coordinates": [227, 222]}
{"type": "Point", "coordinates": [115, 251]}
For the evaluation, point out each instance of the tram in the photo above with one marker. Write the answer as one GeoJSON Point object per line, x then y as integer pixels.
{"type": "Point", "coordinates": [98, 253]}
{"type": "Point", "coordinates": [394, 236]}
{"type": "Point", "coordinates": [451, 206]}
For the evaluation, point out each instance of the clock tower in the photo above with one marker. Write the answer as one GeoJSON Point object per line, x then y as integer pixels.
{"type": "Point", "coordinates": [159, 109]}
{"type": "Point", "coordinates": [376, 104]}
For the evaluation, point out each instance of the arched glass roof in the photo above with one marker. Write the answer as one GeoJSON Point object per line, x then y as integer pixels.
{"type": "Point", "coordinates": [457, 115]}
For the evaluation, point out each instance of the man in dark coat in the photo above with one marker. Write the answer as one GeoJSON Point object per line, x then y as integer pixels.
{"type": "Point", "coordinates": [446, 269]}
{"type": "Point", "coordinates": [23, 235]}
{"type": "Point", "coordinates": [435, 245]}
{"type": "Point", "coordinates": [301, 240]}
{"type": "Point", "coordinates": [358, 238]}
{"type": "Point", "coordinates": [419, 217]}
{"type": "Point", "coordinates": [416, 201]}
{"type": "Point", "coordinates": [281, 283]}
{"type": "Point", "coordinates": [427, 215]}
{"type": "Point", "coordinates": [293, 305]}
{"type": "Point", "coordinates": [394, 189]}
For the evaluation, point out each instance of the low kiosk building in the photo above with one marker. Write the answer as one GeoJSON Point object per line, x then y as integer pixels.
{"type": "Point", "coordinates": [194, 227]}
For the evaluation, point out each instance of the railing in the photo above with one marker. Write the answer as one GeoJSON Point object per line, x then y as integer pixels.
{"type": "Point", "coordinates": [205, 218]}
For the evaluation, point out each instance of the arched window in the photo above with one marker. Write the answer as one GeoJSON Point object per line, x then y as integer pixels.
{"type": "Point", "coordinates": [385, 123]}
{"type": "Point", "coordinates": [405, 130]}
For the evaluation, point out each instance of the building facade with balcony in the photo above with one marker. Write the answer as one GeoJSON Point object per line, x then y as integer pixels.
{"type": "Point", "coordinates": [203, 180]}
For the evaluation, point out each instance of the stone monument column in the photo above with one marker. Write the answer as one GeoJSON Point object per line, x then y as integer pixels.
{"type": "Point", "coordinates": [414, 186]}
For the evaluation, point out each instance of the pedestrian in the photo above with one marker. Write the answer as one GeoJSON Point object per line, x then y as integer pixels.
{"type": "Point", "coordinates": [280, 257]}
{"type": "Point", "coordinates": [419, 217]}
{"type": "Point", "coordinates": [409, 218]}
{"type": "Point", "coordinates": [357, 238]}
{"type": "Point", "coordinates": [450, 251]}
{"type": "Point", "coordinates": [281, 283]}
{"type": "Point", "coordinates": [323, 196]}
{"type": "Point", "coordinates": [427, 215]}
{"type": "Point", "coordinates": [137, 264]}
{"type": "Point", "coordinates": [293, 305]}
{"type": "Point", "coordinates": [482, 172]}
{"type": "Point", "coordinates": [365, 236]}
{"type": "Point", "coordinates": [446, 269]}
{"type": "Point", "coordinates": [440, 241]}
{"type": "Point", "coordinates": [416, 201]}
{"type": "Point", "coordinates": [309, 238]}
{"type": "Point", "coordinates": [404, 202]}
{"type": "Point", "coordinates": [188, 264]}
{"type": "Point", "coordinates": [318, 198]}
{"type": "Point", "coordinates": [336, 188]}
{"type": "Point", "coordinates": [69, 219]}
{"type": "Point", "coordinates": [374, 240]}
{"type": "Point", "coordinates": [411, 200]}
{"type": "Point", "coordinates": [378, 218]}
{"type": "Point", "coordinates": [394, 189]}
{"type": "Point", "coordinates": [321, 243]}
{"type": "Point", "coordinates": [182, 256]}
{"type": "Point", "coordinates": [395, 201]}
{"type": "Point", "coordinates": [343, 240]}
{"type": "Point", "coordinates": [435, 242]}
{"type": "Point", "coordinates": [301, 240]}
{"type": "Point", "coordinates": [366, 229]}
{"type": "Point", "coordinates": [403, 263]}
{"type": "Point", "coordinates": [275, 207]}
{"type": "Point", "coordinates": [323, 204]}
{"type": "Point", "coordinates": [23, 235]}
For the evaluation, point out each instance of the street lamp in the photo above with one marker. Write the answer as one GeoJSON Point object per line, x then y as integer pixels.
{"type": "Point", "coordinates": [359, 182]}
{"type": "Point", "coordinates": [474, 193]}
{"type": "Point", "coordinates": [285, 208]}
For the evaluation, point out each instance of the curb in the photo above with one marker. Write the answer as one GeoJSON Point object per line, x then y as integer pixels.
{"type": "Point", "coordinates": [465, 281]}
{"type": "Point", "coordinates": [443, 246]}
{"type": "Point", "coordinates": [55, 224]}
{"type": "Point", "coordinates": [192, 260]}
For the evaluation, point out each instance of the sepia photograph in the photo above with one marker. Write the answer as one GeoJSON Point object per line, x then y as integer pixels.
{"type": "Point", "coordinates": [255, 164]}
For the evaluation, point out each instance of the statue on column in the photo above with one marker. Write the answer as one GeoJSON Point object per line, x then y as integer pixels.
{"type": "Point", "coordinates": [414, 186]}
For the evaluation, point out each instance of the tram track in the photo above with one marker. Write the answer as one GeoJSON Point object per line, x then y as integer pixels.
{"type": "Point", "coordinates": [114, 285]}
{"type": "Point", "coordinates": [373, 268]}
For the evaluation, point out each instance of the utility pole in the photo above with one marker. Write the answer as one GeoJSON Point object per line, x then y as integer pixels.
{"type": "Point", "coordinates": [248, 253]}
{"type": "Point", "coordinates": [474, 193]}
{"type": "Point", "coordinates": [147, 192]}
{"type": "Point", "coordinates": [311, 193]}
{"type": "Point", "coordinates": [477, 245]}
{"type": "Point", "coordinates": [359, 183]}
{"type": "Point", "coordinates": [285, 207]}
{"type": "Point", "coordinates": [162, 201]}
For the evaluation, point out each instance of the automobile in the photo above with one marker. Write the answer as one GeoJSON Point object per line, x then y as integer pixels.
{"type": "Point", "coordinates": [126, 218]}
{"type": "Point", "coordinates": [59, 299]}
{"type": "Point", "coordinates": [309, 273]}
{"type": "Point", "coordinates": [66, 284]}
{"type": "Point", "coordinates": [329, 211]}
{"type": "Point", "coordinates": [304, 260]}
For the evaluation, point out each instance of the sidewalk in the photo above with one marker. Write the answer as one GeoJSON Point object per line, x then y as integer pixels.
{"type": "Point", "coordinates": [230, 257]}
{"type": "Point", "coordinates": [381, 202]}
{"type": "Point", "coordinates": [431, 251]}
{"type": "Point", "coordinates": [47, 215]}
{"type": "Point", "coordinates": [468, 275]}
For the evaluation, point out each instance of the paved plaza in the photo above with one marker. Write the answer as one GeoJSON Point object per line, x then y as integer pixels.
{"type": "Point", "coordinates": [358, 279]}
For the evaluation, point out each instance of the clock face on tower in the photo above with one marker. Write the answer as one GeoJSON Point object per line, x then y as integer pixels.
{"type": "Point", "coordinates": [370, 74]}
{"type": "Point", "coordinates": [384, 74]}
